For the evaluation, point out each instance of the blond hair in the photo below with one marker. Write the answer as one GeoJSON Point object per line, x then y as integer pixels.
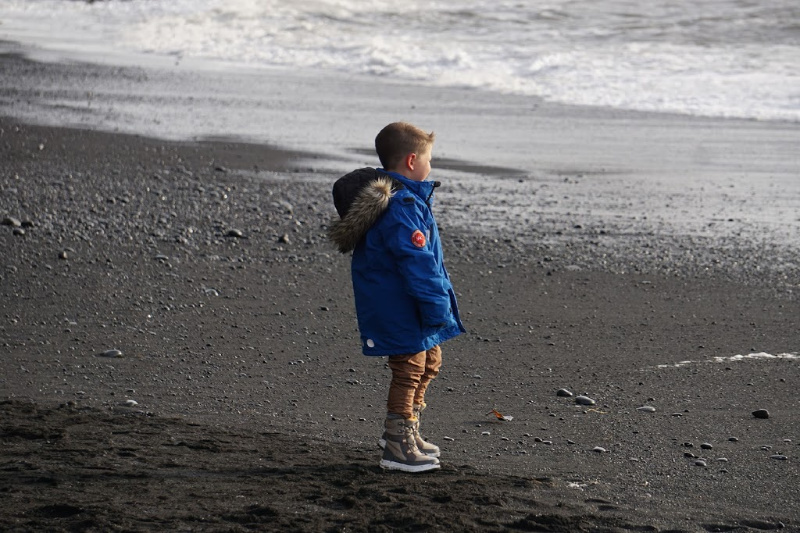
{"type": "Point", "coordinates": [397, 140]}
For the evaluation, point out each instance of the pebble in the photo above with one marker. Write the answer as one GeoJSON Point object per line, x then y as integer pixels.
{"type": "Point", "coordinates": [62, 255]}
{"type": "Point", "coordinates": [778, 457]}
{"type": "Point", "coordinates": [733, 439]}
{"type": "Point", "coordinates": [284, 239]}
{"type": "Point", "coordinates": [646, 409]}
{"type": "Point", "coordinates": [700, 462]}
{"type": "Point", "coordinates": [584, 400]}
{"type": "Point", "coordinates": [235, 233]}
{"type": "Point", "coordinates": [706, 446]}
{"type": "Point", "coordinates": [130, 403]}
{"type": "Point", "coordinates": [111, 353]}
{"type": "Point", "coordinates": [564, 393]}
{"type": "Point", "coordinates": [449, 439]}
{"type": "Point", "coordinates": [13, 222]}
{"type": "Point", "coordinates": [486, 433]}
{"type": "Point", "coordinates": [599, 449]}
{"type": "Point", "coordinates": [18, 231]}
{"type": "Point", "coordinates": [761, 413]}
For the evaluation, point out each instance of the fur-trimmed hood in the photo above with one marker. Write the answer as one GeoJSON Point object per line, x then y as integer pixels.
{"type": "Point", "coordinates": [360, 201]}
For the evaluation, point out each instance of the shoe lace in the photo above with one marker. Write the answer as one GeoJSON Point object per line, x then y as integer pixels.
{"type": "Point", "coordinates": [409, 429]}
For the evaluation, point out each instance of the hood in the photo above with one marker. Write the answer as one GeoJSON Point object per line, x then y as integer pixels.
{"type": "Point", "coordinates": [364, 206]}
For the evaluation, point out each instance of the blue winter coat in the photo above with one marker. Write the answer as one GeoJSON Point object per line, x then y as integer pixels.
{"type": "Point", "coordinates": [404, 299]}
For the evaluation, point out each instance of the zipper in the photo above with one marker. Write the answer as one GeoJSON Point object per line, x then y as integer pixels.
{"type": "Point", "coordinates": [435, 184]}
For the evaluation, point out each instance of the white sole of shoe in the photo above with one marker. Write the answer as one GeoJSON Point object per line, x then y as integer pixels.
{"type": "Point", "coordinates": [391, 465]}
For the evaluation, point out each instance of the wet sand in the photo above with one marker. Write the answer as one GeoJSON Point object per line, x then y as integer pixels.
{"type": "Point", "coordinates": [206, 266]}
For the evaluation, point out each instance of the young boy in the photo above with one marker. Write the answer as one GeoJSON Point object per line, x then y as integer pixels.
{"type": "Point", "coordinates": [405, 302]}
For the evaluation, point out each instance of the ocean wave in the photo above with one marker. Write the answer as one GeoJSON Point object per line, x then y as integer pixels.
{"type": "Point", "coordinates": [674, 57]}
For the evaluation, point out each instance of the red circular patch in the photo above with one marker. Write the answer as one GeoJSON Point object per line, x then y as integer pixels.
{"type": "Point", "coordinates": [418, 238]}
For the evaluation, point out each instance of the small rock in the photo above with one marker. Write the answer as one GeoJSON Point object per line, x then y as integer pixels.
{"type": "Point", "coordinates": [111, 353]}
{"type": "Point", "coordinates": [706, 446]}
{"type": "Point", "coordinates": [646, 409]}
{"type": "Point", "coordinates": [564, 393]}
{"type": "Point", "coordinates": [700, 462]}
{"type": "Point", "coordinates": [761, 413]}
{"type": "Point", "coordinates": [722, 459]}
{"type": "Point", "coordinates": [733, 439]}
{"type": "Point", "coordinates": [449, 439]}
{"type": "Point", "coordinates": [11, 221]}
{"type": "Point", "coordinates": [62, 255]}
{"type": "Point", "coordinates": [235, 233]}
{"type": "Point", "coordinates": [584, 400]}
{"type": "Point", "coordinates": [778, 457]}
{"type": "Point", "coordinates": [284, 239]}
{"type": "Point", "coordinates": [599, 449]}
{"type": "Point", "coordinates": [18, 231]}
{"type": "Point", "coordinates": [486, 433]}
{"type": "Point", "coordinates": [130, 403]}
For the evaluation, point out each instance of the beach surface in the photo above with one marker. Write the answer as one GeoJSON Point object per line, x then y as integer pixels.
{"type": "Point", "coordinates": [179, 345]}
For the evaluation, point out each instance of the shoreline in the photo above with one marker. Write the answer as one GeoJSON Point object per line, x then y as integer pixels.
{"type": "Point", "coordinates": [619, 184]}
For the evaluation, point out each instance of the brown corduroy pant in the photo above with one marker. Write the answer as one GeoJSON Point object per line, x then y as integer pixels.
{"type": "Point", "coordinates": [411, 375]}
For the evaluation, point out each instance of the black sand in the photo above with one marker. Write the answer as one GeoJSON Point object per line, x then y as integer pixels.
{"type": "Point", "coordinates": [255, 411]}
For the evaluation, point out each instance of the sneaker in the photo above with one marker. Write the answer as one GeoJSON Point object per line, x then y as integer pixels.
{"type": "Point", "coordinates": [424, 446]}
{"type": "Point", "coordinates": [400, 450]}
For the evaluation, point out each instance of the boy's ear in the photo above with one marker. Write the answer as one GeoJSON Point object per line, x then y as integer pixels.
{"type": "Point", "coordinates": [411, 160]}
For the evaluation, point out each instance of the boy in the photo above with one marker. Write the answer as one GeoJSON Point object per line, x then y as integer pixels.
{"type": "Point", "coordinates": [405, 302]}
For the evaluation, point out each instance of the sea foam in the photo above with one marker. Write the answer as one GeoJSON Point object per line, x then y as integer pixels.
{"type": "Point", "coordinates": [721, 59]}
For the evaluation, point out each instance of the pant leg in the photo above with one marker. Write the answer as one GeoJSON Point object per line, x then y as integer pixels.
{"type": "Point", "coordinates": [407, 371]}
{"type": "Point", "coordinates": [433, 361]}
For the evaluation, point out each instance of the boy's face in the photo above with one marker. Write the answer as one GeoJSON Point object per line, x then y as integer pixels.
{"type": "Point", "coordinates": [419, 165]}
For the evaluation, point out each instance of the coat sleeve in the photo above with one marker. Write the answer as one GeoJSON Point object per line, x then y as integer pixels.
{"type": "Point", "coordinates": [423, 277]}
